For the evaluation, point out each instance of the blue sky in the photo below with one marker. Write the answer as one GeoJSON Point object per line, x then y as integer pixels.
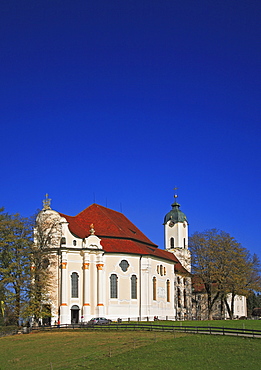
{"type": "Point", "coordinates": [118, 102]}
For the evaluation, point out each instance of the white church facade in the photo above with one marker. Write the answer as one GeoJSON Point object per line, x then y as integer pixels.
{"type": "Point", "coordinates": [104, 266]}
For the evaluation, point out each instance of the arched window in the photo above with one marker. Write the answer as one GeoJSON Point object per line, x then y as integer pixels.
{"type": "Point", "coordinates": [114, 286]}
{"type": "Point", "coordinates": [179, 297]}
{"type": "Point", "coordinates": [134, 287]}
{"type": "Point", "coordinates": [185, 298]}
{"type": "Point", "coordinates": [168, 290]}
{"type": "Point", "coordinates": [75, 285]}
{"type": "Point", "coordinates": [63, 240]}
{"type": "Point", "coordinates": [154, 289]}
{"type": "Point", "coordinates": [184, 240]}
{"type": "Point", "coordinates": [172, 243]}
{"type": "Point", "coordinates": [74, 242]}
{"type": "Point", "coordinates": [45, 263]}
{"type": "Point", "coordinates": [161, 270]}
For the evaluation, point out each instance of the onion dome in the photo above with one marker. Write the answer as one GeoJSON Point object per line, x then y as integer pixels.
{"type": "Point", "coordinates": [175, 215]}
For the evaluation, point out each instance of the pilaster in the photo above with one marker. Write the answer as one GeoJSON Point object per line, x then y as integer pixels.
{"type": "Point", "coordinates": [100, 286]}
{"type": "Point", "coordinates": [86, 286]}
{"type": "Point", "coordinates": [64, 289]}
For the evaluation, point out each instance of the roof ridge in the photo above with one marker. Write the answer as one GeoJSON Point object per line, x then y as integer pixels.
{"type": "Point", "coordinates": [99, 206]}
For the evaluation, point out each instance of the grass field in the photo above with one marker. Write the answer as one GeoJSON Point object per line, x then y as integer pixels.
{"type": "Point", "coordinates": [75, 349]}
{"type": "Point", "coordinates": [239, 324]}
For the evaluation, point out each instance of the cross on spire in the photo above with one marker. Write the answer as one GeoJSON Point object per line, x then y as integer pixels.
{"type": "Point", "coordinates": [175, 195]}
{"type": "Point", "coordinates": [46, 202]}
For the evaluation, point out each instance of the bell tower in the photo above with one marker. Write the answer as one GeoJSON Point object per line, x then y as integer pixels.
{"type": "Point", "coordinates": [176, 234]}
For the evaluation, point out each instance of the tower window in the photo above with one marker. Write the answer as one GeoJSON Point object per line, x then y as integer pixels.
{"type": "Point", "coordinates": [168, 290]}
{"type": "Point", "coordinates": [179, 297]}
{"type": "Point", "coordinates": [172, 243]}
{"type": "Point", "coordinates": [114, 286]}
{"type": "Point", "coordinates": [184, 240]}
{"type": "Point", "coordinates": [63, 240]}
{"type": "Point", "coordinates": [185, 298]}
{"type": "Point", "coordinates": [74, 285]}
{"type": "Point", "coordinates": [45, 263]}
{"type": "Point", "coordinates": [74, 242]}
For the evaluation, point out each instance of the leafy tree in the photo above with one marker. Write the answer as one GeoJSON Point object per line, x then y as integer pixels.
{"type": "Point", "coordinates": [223, 266]}
{"type": "Point", "coordinates": [25, 260]}
{"type": "Point", "coordinates": [244, 277]}
{"type": "Point", "coordinates": [2, 304]}
{"type": "Point", "coordinates": [253, 303]}
{"type": "Point", "coordinates": [15, 244]}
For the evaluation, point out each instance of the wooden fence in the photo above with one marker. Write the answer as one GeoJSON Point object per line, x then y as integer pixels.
{"type": "Point", "coordinates": [159, 327]}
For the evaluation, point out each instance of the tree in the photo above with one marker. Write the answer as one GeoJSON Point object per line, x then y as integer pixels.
{"type": "Point", "coordinates": [27, 264]}
{"type": "Point", "coordinates": [2, 304]}
{"type": "Point", "coordinates": [254, 304]}
{"type": "Point", "coordinates": [244, 278]}
{"type": "Point", "coordinates": [15, 244]}
{"type": "Point", "coordinates": [223, 266]}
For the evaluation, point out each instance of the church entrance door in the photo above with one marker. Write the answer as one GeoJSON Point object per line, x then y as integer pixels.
{"type": "Point", "coordinates": [75, 314]}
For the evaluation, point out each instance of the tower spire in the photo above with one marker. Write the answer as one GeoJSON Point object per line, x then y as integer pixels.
{"type": "Point", "coordinates": [175, 192]}
{"type": "Point", "coordinates": [175, 204]}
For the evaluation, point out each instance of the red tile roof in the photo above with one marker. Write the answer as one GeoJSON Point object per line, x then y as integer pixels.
{"type": "Point", "coordinates": [117, 233]}
{"type": "Point", "coordinates": [106, 223]}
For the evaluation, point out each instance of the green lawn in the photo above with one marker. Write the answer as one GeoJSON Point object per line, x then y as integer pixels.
{"type": "Point", "coordinates": [240, 324]}
{"type": "Point", "coordinates": [75, 349]}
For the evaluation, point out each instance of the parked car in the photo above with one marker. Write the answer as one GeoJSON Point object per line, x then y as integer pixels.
{"type": "Point", "coordinates": [99, 321]}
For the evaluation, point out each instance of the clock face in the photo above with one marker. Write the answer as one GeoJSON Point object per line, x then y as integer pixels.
{"type": "Point", "coordinates": [171, 224]}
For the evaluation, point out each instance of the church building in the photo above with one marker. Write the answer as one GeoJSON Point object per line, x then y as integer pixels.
{"type": "Point", "coordinates": [104, 266]}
